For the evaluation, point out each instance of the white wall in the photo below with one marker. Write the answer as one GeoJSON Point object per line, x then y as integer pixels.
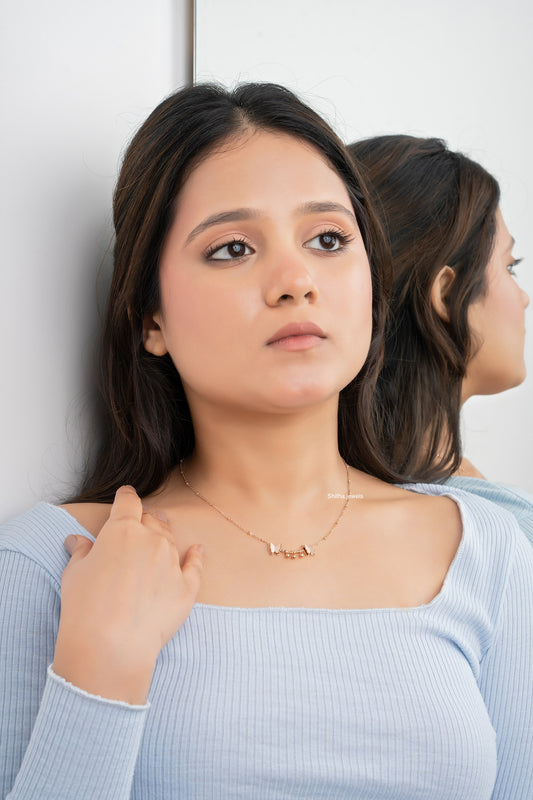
{"type": "Point", "coordinates": [77, 79]}
{"type": "Point", "coordinates": [458, 69]}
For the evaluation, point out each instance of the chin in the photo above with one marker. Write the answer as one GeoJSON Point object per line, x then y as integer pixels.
{"type": "Point", "coordinates": [503, 383]}
{"type": "Point", "coordinates": [301, 400]}
{"type": "Point", "coordinates": [518, 380]}
{"type": "Point", "coordinates": [301, 395]}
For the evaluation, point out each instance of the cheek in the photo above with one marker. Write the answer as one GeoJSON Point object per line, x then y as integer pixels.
{"type": "Point", "coordinates": [498, 327]}
{"type": "Point", "coordinates": [185, 320]}
{"type": "Point", "coordinates": [186, 306]}
{"type": "Point", "coordinates": [200, 318]}
{"type": "Point", "coordinates": [503, 313]}
{"type": "Point", "coordinates": [355, 304]}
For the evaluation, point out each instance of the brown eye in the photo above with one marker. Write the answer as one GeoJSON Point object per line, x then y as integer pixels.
{"type": "Point", "coordinates": [329, 241]}
{"type": "Point", "coordinates": [229, 251]}
{"type": "Point", "coordinates": [236, 249]}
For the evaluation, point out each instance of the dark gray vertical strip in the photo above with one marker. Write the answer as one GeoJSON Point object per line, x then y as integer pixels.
{"type": "Point", "coordinates": [183, 26]}
{"type": "Point", "coordinates": [193, 29]}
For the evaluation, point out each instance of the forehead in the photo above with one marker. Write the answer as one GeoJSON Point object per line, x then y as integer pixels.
{"type": "Point", "coordinates": [260, 169]}
{"type": "Point", "coordinates": [503, 241]}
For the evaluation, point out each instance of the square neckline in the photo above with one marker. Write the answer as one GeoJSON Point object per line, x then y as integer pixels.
{"type": "Point", "coordinates": [442, 491]}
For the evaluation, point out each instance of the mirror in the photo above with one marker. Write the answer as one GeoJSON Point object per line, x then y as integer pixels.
{"type": "Point", "coordinates": [460, 70]}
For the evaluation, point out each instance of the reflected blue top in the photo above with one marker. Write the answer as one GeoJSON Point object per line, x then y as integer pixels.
{"type": "Point", "coordinates": [518, 502]}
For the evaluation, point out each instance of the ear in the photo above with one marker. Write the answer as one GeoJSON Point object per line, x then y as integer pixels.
{"type": "Point", "coordinates": [153, 339]}
{"type": "Point", "coordinates": [440, 290]}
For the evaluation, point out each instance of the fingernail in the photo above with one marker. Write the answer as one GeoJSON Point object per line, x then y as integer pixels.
{"type": "Point", "coordinates": [201, 549]}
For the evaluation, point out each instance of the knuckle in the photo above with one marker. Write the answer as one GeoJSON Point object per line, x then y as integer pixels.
{"type": "Point", "coordinates": [161, 547]}
{"type": "Point", "coordinates": [154, 522]}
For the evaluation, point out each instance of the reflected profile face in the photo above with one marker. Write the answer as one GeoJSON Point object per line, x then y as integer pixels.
{"type": "Point", "coordinates": [497, 321]}
{"type": "Point", "coordinates": [265, 285]}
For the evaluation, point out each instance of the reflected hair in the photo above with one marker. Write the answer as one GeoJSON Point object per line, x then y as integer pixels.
{"type": "Point", "coordinates": [437, 208]}
{"type": "Point", "coordinates": [147, 425]}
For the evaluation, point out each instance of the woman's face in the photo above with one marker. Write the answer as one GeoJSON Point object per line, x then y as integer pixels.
{"type": "Point", "coordinates": [264, 237]}
{"type": "Point", "coordinates": [497, 321]}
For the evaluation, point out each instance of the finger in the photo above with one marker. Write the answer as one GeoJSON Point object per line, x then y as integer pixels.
{"type": "Point", "coordinates": [154, 522]}
{"type": "Point", "coordinates": [155, 528]}
{"type": "Point", "coordinates": [77, 546]}
{"type": "Point", "coordinates": [156, 514]}
{"type": "Point", "coordinates": [127, 503]}
{"type": "Point", "coordinates": [192, 568]}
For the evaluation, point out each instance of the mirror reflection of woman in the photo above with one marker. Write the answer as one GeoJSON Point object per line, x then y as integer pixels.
{"type": "Point", "coordinates": [274, 618]}
{"type": "Point", "coordinates": [457, 320]}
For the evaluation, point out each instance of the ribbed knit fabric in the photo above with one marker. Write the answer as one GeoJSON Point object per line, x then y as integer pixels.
{"type": "Point", "coordinates": [517, 501]}
{"type": "Point", "coordinates": [431, 703]}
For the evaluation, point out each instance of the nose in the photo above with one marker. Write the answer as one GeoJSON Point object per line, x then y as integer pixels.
{"type": "Point", "coordinates": [290, 281]}
{"type": "Point", "coordinates": [525, 298]}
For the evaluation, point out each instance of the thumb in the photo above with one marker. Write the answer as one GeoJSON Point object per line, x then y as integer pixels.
{"type": "Point", "coordinates": [192, 568]}
{"type": "Point", "coordinates": [77, 546]}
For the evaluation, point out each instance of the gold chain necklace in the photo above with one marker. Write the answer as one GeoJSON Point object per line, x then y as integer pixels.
{"type": "Point", "coordinates": [277, 549]}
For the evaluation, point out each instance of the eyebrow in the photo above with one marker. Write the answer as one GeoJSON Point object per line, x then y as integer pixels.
{"type": "Point", "coordinates": [235, 215]}
{"type": "Point", "coordinates": [509, 245]}
{"type": "Point", "coordinates": [315, 207]}
{"type": "Point", "coordinates": [240, 214]}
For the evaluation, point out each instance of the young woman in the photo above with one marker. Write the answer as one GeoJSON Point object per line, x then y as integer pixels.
{"type": "Point", "coordinates": [273, 619]}
{"type": "Point", "coordinates": [457, 319]}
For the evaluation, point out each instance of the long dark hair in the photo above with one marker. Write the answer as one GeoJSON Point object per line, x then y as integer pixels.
{"type": "Point", "coordinates": [147, 423]}
{"type": "Point", "coordinates": [438, 208]}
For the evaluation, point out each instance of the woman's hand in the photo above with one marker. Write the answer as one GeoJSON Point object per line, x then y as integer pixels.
{"type": "Point", "coordinates": [122, 599]}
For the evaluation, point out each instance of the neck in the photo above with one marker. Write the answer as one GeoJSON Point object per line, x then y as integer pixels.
{"type": "Point", "coordinates": [468, 470]}
{"type": "Point", "coordinates": [286, 457]}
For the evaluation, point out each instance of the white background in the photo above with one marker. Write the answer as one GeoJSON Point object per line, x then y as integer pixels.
{"type": "Point", "coordinates": [461, 70]}
{"type": "Point", "coordinates": [77, 78]}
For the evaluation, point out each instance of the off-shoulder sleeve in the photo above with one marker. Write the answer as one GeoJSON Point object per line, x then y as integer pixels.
{"type": "Point", "coordinates": [55, 740]}
{"type": "Point", "coordinates": [506, 679]}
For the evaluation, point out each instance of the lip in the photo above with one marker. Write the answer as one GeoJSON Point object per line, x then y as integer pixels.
{"type": "Point", "coordinates": [297, 329]}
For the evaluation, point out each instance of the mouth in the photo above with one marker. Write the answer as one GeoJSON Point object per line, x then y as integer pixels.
{"type": "Point", "coordinates": [297, 336]}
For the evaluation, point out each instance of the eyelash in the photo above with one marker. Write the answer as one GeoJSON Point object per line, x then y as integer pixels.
{"type": "Point", "coordinates": [343, 238]}
{"type": "Point", "coordinates": [216, 247]}
{"type": "Point", "coordinates": [511, 267]}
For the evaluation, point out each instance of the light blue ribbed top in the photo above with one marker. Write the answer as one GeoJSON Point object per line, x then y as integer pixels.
{"type": "Point", "coordinates": [515, 500]}
{"type": "Point", "coordinates": [433, 702]}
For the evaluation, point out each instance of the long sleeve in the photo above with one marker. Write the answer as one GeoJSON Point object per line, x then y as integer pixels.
{"type": "Point", "coordinates": [506, 681]}
{"type": "Point", "coordinates": [433, 701]}
{"type": "Point", "coordinates": [55, 740]}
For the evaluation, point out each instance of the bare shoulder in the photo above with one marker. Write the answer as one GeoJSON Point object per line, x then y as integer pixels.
{"type": "Point", "coordinates": [425, 506]}
{"type": "Point", "coordinates": [432, 523]}
{"type": "Point", "coordinates": [417, 536]}
{"type": "Point", "coordinates": [91, 516]}
{"type": "Point", "coordinates": [426, 511]}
